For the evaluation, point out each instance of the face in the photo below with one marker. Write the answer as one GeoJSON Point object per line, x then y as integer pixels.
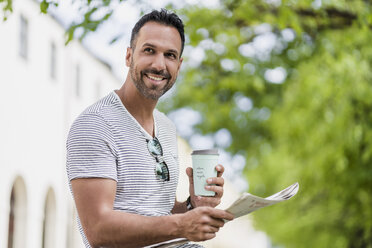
{"type": "Point", "coordinates": [155, 60]}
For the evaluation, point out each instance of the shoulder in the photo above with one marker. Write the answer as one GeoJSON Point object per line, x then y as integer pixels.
{"type": "Point", "coordinates": [94, 121]}
{"type": "Point", "coordinates": [163, 120]}
{"type": "Point", "coordinates": [101, 111]}
{"type": "Point", "coordinates": [103, 107]}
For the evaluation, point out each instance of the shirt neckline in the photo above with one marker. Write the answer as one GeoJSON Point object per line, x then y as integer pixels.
{"type": "Point", "coordinates": [139, 126]}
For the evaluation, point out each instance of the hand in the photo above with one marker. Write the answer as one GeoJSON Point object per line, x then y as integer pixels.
{"type": "Point", "coordinates": [202, 223]}
{"type": "Point", "coordinates": [210, 201]}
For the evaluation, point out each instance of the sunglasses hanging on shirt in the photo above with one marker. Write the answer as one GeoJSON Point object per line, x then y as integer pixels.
{"type": "Point", "coordinates": [161, 168]}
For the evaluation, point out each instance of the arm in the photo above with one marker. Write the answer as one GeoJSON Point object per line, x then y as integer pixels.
{"type": "Point", "coordinates": [179, 207]}
{"type": "Point", "coordinates": [103, 226]}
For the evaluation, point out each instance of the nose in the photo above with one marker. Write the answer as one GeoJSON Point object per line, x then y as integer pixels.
{"type": "Point", "coordinates": [159, 62]}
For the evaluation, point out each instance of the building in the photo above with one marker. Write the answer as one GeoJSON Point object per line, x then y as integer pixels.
{"type": "Point", "coordinates": [44, 86]}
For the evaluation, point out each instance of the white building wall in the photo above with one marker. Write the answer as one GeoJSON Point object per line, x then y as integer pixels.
{"type": "Point", "coordinates": [36, 112]}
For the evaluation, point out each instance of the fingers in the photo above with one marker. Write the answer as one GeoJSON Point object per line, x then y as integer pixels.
{"type": "Point", "coordinates": [220, 169]}
{"type": "Point", "coordinates": [219, 179]}
{"type": "Point", "coordinates": [208, 201]}
{"type": "Point", "coordinates": [189, 171]}
{"type": "Point", "coordinates": [209, 221]}
{"type": "Point", "coordinates": [204, 236]}
{"type": "Point", "coordinates": [203, 223]}
{"type": "Point", "coordinates": [216, 180]}
{"type": "Point", "coordinates": [217, 189]}
{"type": "Point", "coordinates": [215, 215]}
{"type": "Point", "coordinates": [212, 229]}
{"type": "Point", "coordinates": [220, 214]}
{"type": "Point", "coordinates": [216, 223]}
{"type": "Point", "coordinates": [215, 184]}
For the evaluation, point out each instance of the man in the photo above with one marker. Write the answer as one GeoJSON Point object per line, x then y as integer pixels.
{"type": "Point", "coordinates": [122, 153]}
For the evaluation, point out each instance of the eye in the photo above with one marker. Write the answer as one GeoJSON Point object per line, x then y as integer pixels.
{"type": "Point", "coordinates": [171, 55]}
{"type": "Point", "coordinates": [148, 50]}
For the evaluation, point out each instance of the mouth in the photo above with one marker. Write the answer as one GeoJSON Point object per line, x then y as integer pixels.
{"type": "Point", "coordinates": [157, 78]}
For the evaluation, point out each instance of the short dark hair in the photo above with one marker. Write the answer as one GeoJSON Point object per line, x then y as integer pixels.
{"type": "Point", "coordinates": [163, 17]}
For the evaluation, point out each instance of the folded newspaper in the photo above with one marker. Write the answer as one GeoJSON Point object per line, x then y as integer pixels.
{"type": "Point", "coordinates": [245, 204]}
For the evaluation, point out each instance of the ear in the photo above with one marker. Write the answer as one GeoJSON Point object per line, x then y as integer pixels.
{"type": "Point", "coordinates": [128, 56]}
{"type": "Point", "coordinates": [179, 65]}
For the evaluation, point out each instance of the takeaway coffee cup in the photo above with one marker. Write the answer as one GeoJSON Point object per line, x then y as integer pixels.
{"type": "Point", "coordinates": [204, 164]}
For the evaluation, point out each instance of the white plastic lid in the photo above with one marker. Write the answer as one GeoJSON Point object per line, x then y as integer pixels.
{"type": "Point", "coordinates": [205, 152]}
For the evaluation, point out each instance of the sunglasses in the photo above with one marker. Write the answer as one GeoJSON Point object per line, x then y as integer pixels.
{"type": "Point", "coordinates": [161, 168]}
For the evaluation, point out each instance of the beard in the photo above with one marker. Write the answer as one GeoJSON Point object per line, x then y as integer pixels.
{"type": "Point", "coordinates": [153, 92]}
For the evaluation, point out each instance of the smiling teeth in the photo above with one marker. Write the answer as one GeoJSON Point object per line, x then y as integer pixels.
{"type": "Point", "coordinates": [155, 78]}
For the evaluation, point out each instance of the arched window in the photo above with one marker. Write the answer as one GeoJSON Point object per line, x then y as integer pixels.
{"type": "Point", "coordinates": [23, 37]}
{"type": "Point", "coordinates": [78, 82]}
{"type": "Point", "coordinates": [11, 220]}
{"type": "Point", "coordinates": [73, 234]}
{"type": "Point", "coordinates": [49, 220]}
{"type": "Point", "coordinates": [17, 215]}
{"type": "Point", "coordinates": [53, 61]}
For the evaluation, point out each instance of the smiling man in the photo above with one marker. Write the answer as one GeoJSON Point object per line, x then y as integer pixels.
{"type": "Point", "coordinates": [122, 160]}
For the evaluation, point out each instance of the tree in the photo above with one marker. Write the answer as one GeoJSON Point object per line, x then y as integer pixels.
{"type": "Point", "coordinates": [313, 127]}
{"type": "Point", "coordinates": [321, 137]}
{"type": "Point", "coordinates": [93, 12]}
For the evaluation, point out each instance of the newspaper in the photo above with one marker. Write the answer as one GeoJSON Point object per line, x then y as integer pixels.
{"type": "Point", "coordinates": [247, 203]}
{"type": "Point", "coordinates": [170, 243]}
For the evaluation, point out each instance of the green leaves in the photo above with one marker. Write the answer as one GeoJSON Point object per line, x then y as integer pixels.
{"type": "Point", "coordinates": [44, 5]}
{"type": "Point", "coordinates": [94, 14]}
{"type": "Point", "coordinates": [319, 138]}
{"type": "Point", "coordinates": [314, 128]}
{"type": "Point", "coordinates": [7, 8]}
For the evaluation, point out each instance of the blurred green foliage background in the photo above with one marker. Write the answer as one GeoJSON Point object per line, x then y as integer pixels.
{"type": "Point", "coordinates": [314, 127]}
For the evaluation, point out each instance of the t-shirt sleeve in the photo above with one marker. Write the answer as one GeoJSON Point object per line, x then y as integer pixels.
{"type": "Point", "coordinates": [91, 149]}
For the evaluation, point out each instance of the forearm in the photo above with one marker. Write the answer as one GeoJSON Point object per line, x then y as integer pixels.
{"type": "Point", "coordinates": [179, 207]}
{"type": "Point", "coordinates": [119, 229]}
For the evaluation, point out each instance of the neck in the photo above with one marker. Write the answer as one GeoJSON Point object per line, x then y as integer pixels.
{"type": "Point", "coordinates": [139, 107]}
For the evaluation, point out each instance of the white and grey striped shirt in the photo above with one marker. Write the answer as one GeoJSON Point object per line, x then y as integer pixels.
{"type": "Point", "coordinates": [106, 141]}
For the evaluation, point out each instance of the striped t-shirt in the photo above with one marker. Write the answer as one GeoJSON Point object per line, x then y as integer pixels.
{"type": "Point", "coordinates": [106, 141]}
